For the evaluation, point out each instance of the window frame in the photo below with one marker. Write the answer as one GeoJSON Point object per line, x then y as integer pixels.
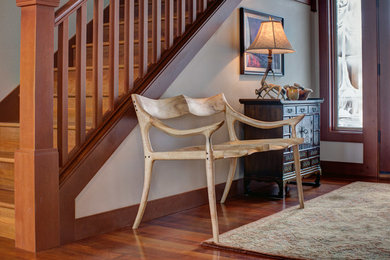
{"type": "Point", "coordinates": [328, 86]}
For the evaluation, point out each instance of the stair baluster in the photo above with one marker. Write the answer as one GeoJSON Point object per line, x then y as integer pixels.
{"type": "Point", "coordinates": [192, 11]}
{"type": "Point", "coordinates": [156, 30]}
{"type": "Point", "coordinates": [81, 37]}
{"type": "Point", "coordinates": [168, 24]}
{"type": "Point", "coordinates": [97, 63]}
{"type": "Point", "coordinates": [114, 54]}
{"type": "Point", "coordinates": [62, 91]}
{"type": "Point", "coordinates": [129, 46]}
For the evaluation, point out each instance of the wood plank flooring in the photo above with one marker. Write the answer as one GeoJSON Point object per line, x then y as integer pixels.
{"type": "Point", "coordinates": [177, 236]}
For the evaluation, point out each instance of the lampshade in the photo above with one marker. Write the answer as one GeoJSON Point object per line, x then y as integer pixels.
{"type": "Point", "coordinates": [271, 36]}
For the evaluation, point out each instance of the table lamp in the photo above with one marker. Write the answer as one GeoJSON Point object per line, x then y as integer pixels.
{"type": "Point", "coordinates": [270, 39]}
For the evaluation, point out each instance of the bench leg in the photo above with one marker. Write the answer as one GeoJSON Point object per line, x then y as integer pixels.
{"type": "Point", "coordinates": [297, 164]}
{"type": "Point", "coordinates": [232, 171]}
{"type": "Point", "coordinates": [212, 198]}
{"type": "Point", "coordinates": [145, 192]}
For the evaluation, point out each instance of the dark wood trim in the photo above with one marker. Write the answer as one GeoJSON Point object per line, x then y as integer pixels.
{"type": "Point", "coordinates": [123, 217]}
{"type": "Point", "coordinates": [341, 169]}
{"type": "Point", "coordinates": [10, 104]}
{"type": "Point", "coordinates": [77, 173]}
{"type": "Point", "coordinates": [308, 2]}
{"type": "Point", "coordinates": [370, 89]}
{"type": "Point", "coordinates": [327, 78]}
{"type": "Point", "coordinates": [313, 5]}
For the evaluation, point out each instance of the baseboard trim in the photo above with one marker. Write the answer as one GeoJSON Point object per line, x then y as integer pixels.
{"type": "Point", "coordinates": [124, 217]}
{"type": "Point", "coordinates": [343, 170]}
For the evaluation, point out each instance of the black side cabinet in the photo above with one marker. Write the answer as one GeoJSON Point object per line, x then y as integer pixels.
{"type": "Point", "coordinates": [278, 166]}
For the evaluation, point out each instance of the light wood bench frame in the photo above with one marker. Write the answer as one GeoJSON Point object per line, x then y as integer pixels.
{"type": "Point", "coordinates": [150, 112]}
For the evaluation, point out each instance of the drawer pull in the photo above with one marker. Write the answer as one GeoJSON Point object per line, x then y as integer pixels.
{"type": "Point", "coordinates": [302, 110]}
{"type": "Point", "coordinates": [289, 110]}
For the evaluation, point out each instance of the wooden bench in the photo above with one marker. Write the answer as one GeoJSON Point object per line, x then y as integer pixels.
{"type": "Point", "coordinates": [150, 112]}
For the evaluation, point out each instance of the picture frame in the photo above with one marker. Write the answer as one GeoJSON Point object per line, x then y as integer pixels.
{"type": "Point", "coordinates": [256, 64]}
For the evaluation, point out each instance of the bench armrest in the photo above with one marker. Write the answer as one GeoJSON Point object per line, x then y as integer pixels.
{"type": "Point", "coordinates": [265, 124]}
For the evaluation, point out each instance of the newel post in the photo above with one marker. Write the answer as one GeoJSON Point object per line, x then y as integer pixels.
{"type": "Point", "coordinates": [36, 162]}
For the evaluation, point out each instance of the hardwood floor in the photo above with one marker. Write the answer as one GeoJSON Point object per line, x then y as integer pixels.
{"type": "Point", "coordinates": [178, 235]}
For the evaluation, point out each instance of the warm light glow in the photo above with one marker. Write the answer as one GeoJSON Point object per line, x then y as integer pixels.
{"type": "Point", "coordinates": [271, 36]}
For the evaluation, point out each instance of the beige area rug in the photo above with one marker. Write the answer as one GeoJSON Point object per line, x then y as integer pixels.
{"type": "Point", "coordinates": [352, 222]}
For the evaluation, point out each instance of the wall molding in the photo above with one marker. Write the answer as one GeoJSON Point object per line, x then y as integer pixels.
{"type": "Point", "coordinates": [124, 217]}
{"type": "Point", "coordinates": [342, 169]}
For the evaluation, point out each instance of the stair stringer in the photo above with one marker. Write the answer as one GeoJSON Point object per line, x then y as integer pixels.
{"type": "Point", "coordinates": [79, 172]}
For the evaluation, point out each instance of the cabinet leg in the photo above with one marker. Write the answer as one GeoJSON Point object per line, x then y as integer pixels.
{"type": "Point", "coordinates": [282, 191]}
{"type": "Point", "coordinates": [247, 189]}
{"type": "Point", "coordinates": [317, 181]}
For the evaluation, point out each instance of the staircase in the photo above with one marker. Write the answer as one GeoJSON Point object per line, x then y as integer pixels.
{"type": "Point", "coordinates": [139, 46]}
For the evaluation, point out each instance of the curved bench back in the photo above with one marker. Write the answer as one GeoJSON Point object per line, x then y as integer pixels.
{"type": "Point", "coordinates": [167, 108]}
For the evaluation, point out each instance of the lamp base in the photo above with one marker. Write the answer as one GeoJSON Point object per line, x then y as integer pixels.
{"type": "Point", "coordinates": [263, 83]}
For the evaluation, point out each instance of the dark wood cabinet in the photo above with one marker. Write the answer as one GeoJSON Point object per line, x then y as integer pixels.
{"type": "Point", "coordinates": [278, 166]}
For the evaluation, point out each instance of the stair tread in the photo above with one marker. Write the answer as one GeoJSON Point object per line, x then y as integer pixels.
{"type": "Point", "coordinates": [8, 124]}
{"type": "Point", "coordinates": [71, 126]}
{"type": "Point", "coordinates": [105, 67]}
{"type": "Point", "coordinates": [136, 21]}
{"type": "Point", "coordinates": [120, 42]}
{"type": "Point", "coordinates": [7, 199]}
{"type": "Point", "coordinates": [7, 157]}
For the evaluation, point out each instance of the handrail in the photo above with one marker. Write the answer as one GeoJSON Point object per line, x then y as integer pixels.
{"type": "Point", "coordinates": [66, 10]}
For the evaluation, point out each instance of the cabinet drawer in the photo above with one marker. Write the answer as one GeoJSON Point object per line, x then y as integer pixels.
{"type": "Point", "coordinates": [291, 167]}
{"type": "Point", "coordinates": [289, 111]}
{"type": "Point", "coordinates": [303, 154]}
{"type": "Point", "coordinates": [314, 152]}
{"type": "Point", "coordinates": [314, 109]}
{"type": "Point", "coordinates": [315, 161]}
{"type": "Point", "coordinates": [289, 157]}
{"type": "Point", "coordinates": [305, 164]}
{"type": "Point", "coordinates": [301, 109]}
{"type": "Point", "coordinates": [287, 168]}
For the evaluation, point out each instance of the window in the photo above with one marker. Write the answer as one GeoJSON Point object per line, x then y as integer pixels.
{"type": "Point", "coordinates": [341, 80]}
{"type": "Point", "coordinates": [348, 51]}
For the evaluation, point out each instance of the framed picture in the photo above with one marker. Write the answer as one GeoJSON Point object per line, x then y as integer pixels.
{"type": "Point", "coordinates": [253, 63]}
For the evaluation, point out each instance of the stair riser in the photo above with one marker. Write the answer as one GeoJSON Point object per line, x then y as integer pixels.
{"type": "Point", "coordinates": [7, 223]}
{"type": "Point", "coordinates": [6, 176]}
{"type": "Point", "coordinates": [89, 82]}
{"type": "Point", "coordinates": [7, 168]}
{"type": "Point", "coordinates": [106, 49]}
{"type": "Point", "coordinates": [9, 139]}
{"type": "Point", "coordinates": [106, 30]}
{"type": "Point", "coordinates": [72, 110]}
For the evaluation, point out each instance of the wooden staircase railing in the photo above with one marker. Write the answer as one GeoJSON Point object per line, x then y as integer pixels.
{"type": "Point", "coordinates": [159, 38]}
{"type": "Point", "coordinates": [134, 68]}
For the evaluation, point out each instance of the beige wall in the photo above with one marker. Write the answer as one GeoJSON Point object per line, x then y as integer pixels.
{"type": "Point", "coordinates": [9, 46]}
{"type": "Point", "coordinates": [215, 69]}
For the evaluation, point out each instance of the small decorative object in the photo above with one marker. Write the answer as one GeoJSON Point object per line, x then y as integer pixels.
{"type": "Point", "coordinates": [256, 63]}
{"type": "Point", "coordinates": [292, 92]}
{"type": "Point", "coordinates": [270, 91]}
{"type": "Point", "coordinates": [270, 39]}
{"type": "Point", "coordinates": [297, 92]}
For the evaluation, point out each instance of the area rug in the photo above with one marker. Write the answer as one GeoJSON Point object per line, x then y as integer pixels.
{"type": "Point", "coordinates": [352, 222]}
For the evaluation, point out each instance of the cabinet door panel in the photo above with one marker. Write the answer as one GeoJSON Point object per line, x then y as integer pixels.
{"type": "Point", "coordinates": [305, 129]}
{"type": "Point", "coordinates": [316, 123]}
